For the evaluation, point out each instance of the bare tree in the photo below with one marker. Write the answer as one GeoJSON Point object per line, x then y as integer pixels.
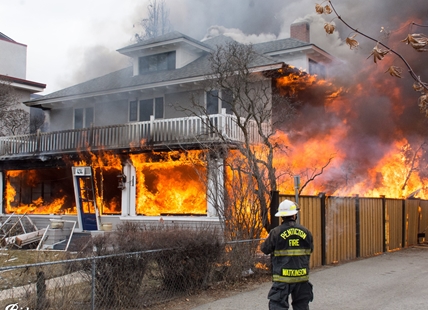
{"type": "Point", "coordinates": [157, 22]}
{"type": "Point", "coordinates": [242, 174]}
{"type": "Point", "coordinates": [13, 121]}
{"type": "Point", "coordinates": [37, 120]}
{"type": "Point", "coordinates": [415, 159]}
{"type": "Point", "coordinates": [418, 41]}
{"type": "Point", "coordinates": [8, 97]}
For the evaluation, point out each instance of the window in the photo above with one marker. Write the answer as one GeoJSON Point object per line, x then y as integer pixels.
{"type": "Point", "coordinates": [133, 111]}
{"type": "Point", "coordinates": [317, 68]}
{"type": "Point", "coordinates": [217, 100]}
{"type": "Point", "coordinates": [212, 102]}
{"type": "Point", "coordinates": [158, 62]}
{"type": "Point", "coordinates": [227, 100]}
{"type": "Point", "coordinates": [83, 117]}
{"type": "Point", "coordinates": [142, 110]}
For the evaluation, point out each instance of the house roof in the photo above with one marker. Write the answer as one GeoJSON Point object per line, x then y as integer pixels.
{"type": "Point", "coordinates": [219, 40]}
{"type": "Point", "coordinates": [29, 86]}
{"type": "Point", "coordinates": [8, 39]}
{"type": "Point", "coordinates": [5, 37]}
{"type": "Point", "coordinates": [124, 80]}
{"type": "Point", "coordinates": [279, 45]}
{"type": "Point", "coordinates": [169, 38]}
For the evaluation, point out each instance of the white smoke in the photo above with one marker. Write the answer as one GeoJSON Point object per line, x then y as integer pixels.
{"type": "Point", "coordinates": [238, 35]}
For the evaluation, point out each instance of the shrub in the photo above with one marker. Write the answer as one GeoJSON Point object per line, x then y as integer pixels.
{"type": "Point", "coordinates": [119, 277]}
{"type": "Point", "coordinates": [183, 260]}
{"type": "Point", "coordinates": [190, 256]}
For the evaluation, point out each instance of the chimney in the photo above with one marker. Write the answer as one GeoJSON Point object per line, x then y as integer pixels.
{"type": "Point", "coordinates": [300, 31]}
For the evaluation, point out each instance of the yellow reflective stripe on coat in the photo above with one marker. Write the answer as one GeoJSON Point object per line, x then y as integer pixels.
{"type": "Point", "coordinates": [296, 252]}
{"type": "Point", "coordinates": [278, 278]}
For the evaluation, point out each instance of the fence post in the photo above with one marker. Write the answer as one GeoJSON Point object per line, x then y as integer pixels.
{"type": "Point", "coordinates": [357, 226]}
{"type": "Point", "coordinates": [273, 208]}
{"type": "Point", "coordinates": [323, 230]}
{"type": "Point", "coordinates": [404, 222]}
{"type": "Point", "coordinates": [41, 291]}
{"type": "Point", "coordinates": [93, 285]}
{"type": "Point", "coordinates": [384, 222]}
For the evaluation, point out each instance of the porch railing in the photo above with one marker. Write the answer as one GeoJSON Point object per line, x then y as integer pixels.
{"type": "Point", "coordinates": [156, 131]}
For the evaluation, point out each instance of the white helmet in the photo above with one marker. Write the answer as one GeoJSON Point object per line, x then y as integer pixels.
{"type": "Point", "coordinates": [287, 208]}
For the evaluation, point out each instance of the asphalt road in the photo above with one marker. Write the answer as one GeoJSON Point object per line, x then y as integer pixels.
{"type": "Point", "coordinates": [396, 280]}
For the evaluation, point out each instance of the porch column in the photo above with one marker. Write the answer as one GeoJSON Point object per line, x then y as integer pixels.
{"type": "Point", "coordinates": [129, 193]}
{"type": "Point", "coordinates": [2, 211]}
{"type": "Point", "coordinates": [215, 187]}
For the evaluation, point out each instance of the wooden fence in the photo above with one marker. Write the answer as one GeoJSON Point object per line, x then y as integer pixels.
{"type": "Point", "coordinates": [346, 228]}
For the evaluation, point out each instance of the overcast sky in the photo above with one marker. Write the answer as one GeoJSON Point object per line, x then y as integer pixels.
{"type": "Point", "coordinates": [72, 41]}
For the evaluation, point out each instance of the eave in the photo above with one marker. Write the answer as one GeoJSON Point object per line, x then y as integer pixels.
{"type": "Point", "coordinates": [29, 86]}
{"type": "Point", "coordinates": [312, 50]}
{"type": "Point", "coordinates": [50, 103]}
{"type": "Point", "coordinates": [139, 50]}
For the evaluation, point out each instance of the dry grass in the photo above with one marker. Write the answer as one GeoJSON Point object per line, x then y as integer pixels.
{"type": "Point", "coordinates": [11, 258]}
{"type": "Point", "coordinates": [23, 257]}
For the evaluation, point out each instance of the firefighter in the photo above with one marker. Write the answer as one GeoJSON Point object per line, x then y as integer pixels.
{"type": "Point", "coordinates": [290, 246]}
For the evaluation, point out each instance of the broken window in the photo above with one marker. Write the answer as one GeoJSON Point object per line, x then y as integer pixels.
{"type": "Point", "coordinates": [316, 68]}
{"type": "Point", "coordinates": [171, 183]}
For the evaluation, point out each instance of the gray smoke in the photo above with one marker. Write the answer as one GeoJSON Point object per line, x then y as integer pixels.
{"type": "Point", "coordinates": [377, 109]}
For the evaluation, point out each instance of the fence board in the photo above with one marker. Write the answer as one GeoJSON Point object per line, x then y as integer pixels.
{"type": "Point", "coordinates": [412, 218]}
{"type": "Point", "coordinates": [371, 232]}
{"type": "Point", "coordinates": [310, 217]}
{"type": "Point", "coordinates": [423, 219]}
{"type": "Point", "coordinates": [394, 224]}
{"type": "Point", "coordinates": [340, 229]}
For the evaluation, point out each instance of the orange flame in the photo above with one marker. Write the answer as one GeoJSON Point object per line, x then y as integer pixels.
{"type": "Point", "coordinates": [171, 183]}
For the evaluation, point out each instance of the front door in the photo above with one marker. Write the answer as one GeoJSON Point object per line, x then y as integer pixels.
{"type": "Point", "coordinates": [87, 203]}
{"type": "Point", "coordinates": [85, 198]}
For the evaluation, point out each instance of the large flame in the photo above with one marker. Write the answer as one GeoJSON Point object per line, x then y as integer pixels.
{"type": "Point", "coordinates": [171, 183]}
{"type": "Point", "coordinates": [31, 198]}
{"type": "Point", "coordinates": [360, 136]}
{"type": "Point", "coordinates": [167, 183]}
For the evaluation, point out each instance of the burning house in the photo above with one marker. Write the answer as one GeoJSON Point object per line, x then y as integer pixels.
{"type": "Point", "coordinates": [129, 146]}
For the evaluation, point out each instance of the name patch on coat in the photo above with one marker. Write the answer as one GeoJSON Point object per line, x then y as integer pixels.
{"type": "Point", "coordinates": [294, 272]}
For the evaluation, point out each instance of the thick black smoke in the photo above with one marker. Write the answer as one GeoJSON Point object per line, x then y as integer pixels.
{"type": "Point", "coordinates": [376, 108]}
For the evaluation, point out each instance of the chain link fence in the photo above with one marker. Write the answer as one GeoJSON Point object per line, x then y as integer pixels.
{"type": "Point", "coordinates": [133, 280]}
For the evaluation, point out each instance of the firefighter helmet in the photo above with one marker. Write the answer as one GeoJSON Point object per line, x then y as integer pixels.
{"type": "Point", "coordinates": [287, 208]}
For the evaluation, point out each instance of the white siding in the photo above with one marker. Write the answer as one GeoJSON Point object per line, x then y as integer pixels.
{"type": "Point", "coordinates": [13, 60]}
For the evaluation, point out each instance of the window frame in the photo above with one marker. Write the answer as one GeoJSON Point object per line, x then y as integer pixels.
{"type": "Point", "coordinates": [157, 62]}
{"type": "Point", "coordinates": [156, 102]}
{"type": "Point", "coordinates": [316, 68]}
{"type": "Point", "coordinates": [221, 103]}
{"type": "Point", "coordinates": [85, 122]}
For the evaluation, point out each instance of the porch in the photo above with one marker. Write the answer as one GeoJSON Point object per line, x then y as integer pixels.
{"type": "Point", "coordinates": [155, 132]}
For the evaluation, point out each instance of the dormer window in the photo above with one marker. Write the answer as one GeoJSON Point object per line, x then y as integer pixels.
{"type": "Point", "coordinates": [157, 62]}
